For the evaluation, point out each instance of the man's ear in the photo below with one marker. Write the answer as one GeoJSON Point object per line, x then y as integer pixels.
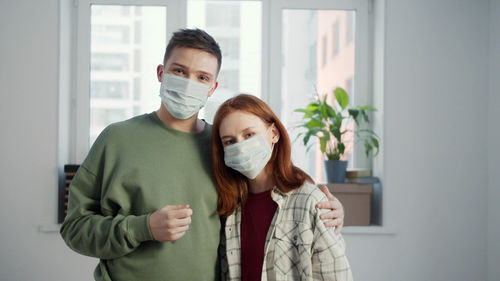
{"type": "Point", "coordinates": [213, 89]}
{"type": "Point", "coordinates": [159, 72]}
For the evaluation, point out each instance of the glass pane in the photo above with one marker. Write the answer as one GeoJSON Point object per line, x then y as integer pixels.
{"type": "Point", "coordinates": [318, 56]}
{"type": "Point", "coordinates": [237, 27]}
{"type": "Point", "coordinates": [127, 43]}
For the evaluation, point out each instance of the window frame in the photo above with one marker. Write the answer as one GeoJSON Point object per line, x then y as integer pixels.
{"type": "Point", "coordinates": [78, 131]}
{"type": "Point", "coordinates": [363, 53]}
{"type": "Point", "coordinates": [74, 74]}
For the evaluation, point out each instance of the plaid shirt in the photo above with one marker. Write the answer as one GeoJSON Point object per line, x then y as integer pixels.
{"type": "Point", "coordinates": [298, 245]}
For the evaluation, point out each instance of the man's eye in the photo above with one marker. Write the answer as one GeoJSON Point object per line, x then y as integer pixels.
{"type": "Point", "coordinates": [178, 70]}
{"type": "Point", "coordinates": [204, 78]}
{"type": "Point", "coordinates": [249, 135]}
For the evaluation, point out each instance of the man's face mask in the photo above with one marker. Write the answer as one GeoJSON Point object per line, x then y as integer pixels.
{"type": "Point", "coordinates": [181, 96]}
{"type": "Point", "coordinates": [250, 156]}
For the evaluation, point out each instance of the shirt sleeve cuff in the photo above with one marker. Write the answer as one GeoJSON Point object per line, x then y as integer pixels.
{"type": "Point", "coordinates": [138, 228]}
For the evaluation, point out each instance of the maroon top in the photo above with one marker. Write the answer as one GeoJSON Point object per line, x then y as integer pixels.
{"type": "Point", "coordinates": [256, 218]}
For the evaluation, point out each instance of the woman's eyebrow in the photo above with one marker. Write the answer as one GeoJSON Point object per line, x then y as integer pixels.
{"type": "Point", "coordinates": [246, 129]}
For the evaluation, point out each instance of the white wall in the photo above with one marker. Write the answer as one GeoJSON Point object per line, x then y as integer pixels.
{"type": "Point", "coordinates": [435, 161]}
{"type": "Point", "coordinates": [493, 145]}
{"type": "Point", "coordinates": [28, 145]}
{"type": "Point", "coordinates": [435, 181]}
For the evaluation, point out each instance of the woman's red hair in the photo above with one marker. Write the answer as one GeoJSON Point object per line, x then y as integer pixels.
{"type": "Point", "coordinates": [233, 186]}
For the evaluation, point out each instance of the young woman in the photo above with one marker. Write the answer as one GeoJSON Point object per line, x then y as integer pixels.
{"type": "Point", "coordinates": [272, 229]}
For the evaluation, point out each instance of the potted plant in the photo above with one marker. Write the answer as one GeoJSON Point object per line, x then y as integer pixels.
{"type": "Point", "coordinates": [329, 123]}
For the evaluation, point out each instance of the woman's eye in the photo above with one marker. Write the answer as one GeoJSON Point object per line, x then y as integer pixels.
{"type": "Point", "coordinates": [228, 142]}
{"type": "Point", "coordinates": [249, 135]}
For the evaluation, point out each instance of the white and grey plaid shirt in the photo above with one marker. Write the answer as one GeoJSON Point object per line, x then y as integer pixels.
{"type": "Point", "coordinates": [298, 245]}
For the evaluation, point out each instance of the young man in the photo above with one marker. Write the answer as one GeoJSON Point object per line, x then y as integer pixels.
{"type": "Point", "coordinates": [148, 180]}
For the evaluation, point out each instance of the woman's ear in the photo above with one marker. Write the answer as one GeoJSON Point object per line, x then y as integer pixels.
{"type": "Point", "coordinates": [276, 134]}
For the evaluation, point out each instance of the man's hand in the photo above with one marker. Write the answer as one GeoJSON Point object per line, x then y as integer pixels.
{"type": "Point", "coordinates": [170, 222]}
{"type": "Point", "coordinates": [336, 216]}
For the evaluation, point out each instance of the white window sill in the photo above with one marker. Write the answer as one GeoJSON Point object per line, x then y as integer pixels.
{"type": "Point", "coordinates": [368, 230]}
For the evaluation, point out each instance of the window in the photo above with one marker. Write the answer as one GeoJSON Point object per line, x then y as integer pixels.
{"type": "Point", "coordinates": [336, 37]}
{"type": "Point", "coordinates": [279, 50]}
{"type": "Point", "coordinates": [121, 45]}
{"type": "Point", "coordinates": [325, 47]}
{"type": "Point", "coordinates": [109, 89]}
{"type": "Point", "coordinates": [237, 27]}
{"type": "Point", "coordinates": [110, 34]}
{"type": "Point", "coordinates": [350, 26]}
{"type": "Point", "coordinates": [336, 71]}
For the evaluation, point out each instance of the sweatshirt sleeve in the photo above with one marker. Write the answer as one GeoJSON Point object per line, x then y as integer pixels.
{"type": "Point", "coordinates": [329, 260]}
{"type": "Point", "coordinates": [88, 231]}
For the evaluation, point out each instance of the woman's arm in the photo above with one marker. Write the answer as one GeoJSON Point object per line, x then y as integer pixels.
{"type": "Point", "coordinates": [329, 261]}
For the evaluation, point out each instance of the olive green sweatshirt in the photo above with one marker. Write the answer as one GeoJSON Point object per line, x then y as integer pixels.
{"type": "Point", "coordinates": [134, 168]}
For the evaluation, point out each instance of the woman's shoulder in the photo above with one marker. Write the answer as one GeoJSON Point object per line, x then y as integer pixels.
{"type": "Point", "coordinates": [306, 196]}
{"type": "Point", "coordinates": [310, 191]}
{"type": "Point", "coordinates": [300, 205]}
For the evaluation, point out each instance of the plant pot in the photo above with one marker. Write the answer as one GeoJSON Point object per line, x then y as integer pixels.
{"type": "Point", "coordinates": [335, 170]}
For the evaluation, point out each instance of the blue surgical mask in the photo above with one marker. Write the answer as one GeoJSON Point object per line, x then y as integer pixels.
{"type": "Point", "coordinates": [248, 157]}
{"type": "Point", "coordinates": [181, 96]}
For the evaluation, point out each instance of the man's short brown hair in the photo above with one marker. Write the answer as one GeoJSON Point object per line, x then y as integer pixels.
{"type": "Point", "coordinates": [196, 39]}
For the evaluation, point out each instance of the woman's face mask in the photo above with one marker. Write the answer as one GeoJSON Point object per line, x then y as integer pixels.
{"type": "Point", "coordinates": [250, 156]}
{"type": "Point", "coordinates": [181, 96]}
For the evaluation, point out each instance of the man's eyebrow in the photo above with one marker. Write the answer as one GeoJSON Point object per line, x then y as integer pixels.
{"type": "Point", "coordinates": [178, 64]}
{"type": "Point", "coordinates": [200, 71]}
{"type": "Point", "coordinates": [206, 73]}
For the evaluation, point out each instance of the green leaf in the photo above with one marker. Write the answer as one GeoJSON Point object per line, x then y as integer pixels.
{"type": "Point", "coordinates": [330, 111]}
{"type": "Point", "coordinates": [341, 148]}
{"type": "Point", "coordinates": [365, 116]}
{"type": "Point", "coordinates": [315, 123]}
{"type": "Point", "coordinates": [354, 112]}
{"type": "Point", "coordinates": [301, 110]}
{"type": "Point", "coordinates": [323, 109]}
{"type": "Point", "coordinates": [331, 156]}
{"type": "Point", "coordinates": [368, 131]}
{"type": "Point", "coordinates": [337, 122]}
{"type": "Point", "coordinates": [368, 108]}
{"type": "Point", "coordinates": [307, 113]}
{"type": "Point", "coordinates": [322, 144]}
{"type": "Point", "coordinates": [368, 148]}
{"type": "Point", "coordinates": [307, 137]}
{"type": "Point", "coordinates": [341, 97]}
{"type": "Point", "coordinates": [335, 132]}
{"type": "Point", "coordinates": [313, 106]}
{"type": "Point", "coordinates": [376, 144]}
{"type": "Point", "coordinates": [326, 134]}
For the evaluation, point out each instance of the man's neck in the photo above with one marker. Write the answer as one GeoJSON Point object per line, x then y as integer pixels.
{"type": "Point", "coordinates": [191, 125]}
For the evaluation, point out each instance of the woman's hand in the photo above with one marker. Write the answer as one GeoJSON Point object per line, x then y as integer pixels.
{"type": "Point", "coordinates": [335, 217]}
